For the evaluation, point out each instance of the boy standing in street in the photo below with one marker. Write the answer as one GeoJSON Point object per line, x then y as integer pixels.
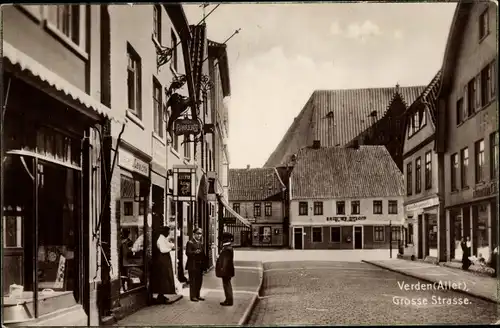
{"type": "Point", "coordinates": [224, 267]}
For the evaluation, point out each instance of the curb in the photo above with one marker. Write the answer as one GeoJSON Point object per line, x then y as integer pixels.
{"type": "Point", "coordinates": [246, 315]}
{"type": "Point", "coordinates": [484, 298]}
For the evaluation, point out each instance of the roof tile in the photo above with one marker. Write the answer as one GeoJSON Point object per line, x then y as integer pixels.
{"type": "Point", "coordinates": [253, 184]}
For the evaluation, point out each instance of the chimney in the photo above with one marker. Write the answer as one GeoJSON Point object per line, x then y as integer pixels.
{"type": "Point", "coordinates": [248, 166]}
{"type": "Point", "coordinates": [316, 144]}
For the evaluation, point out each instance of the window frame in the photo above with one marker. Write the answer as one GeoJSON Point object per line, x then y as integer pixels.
{"type": "Point", "coordinates": [494, 155]}
{"type": "Point", "coordinates": [312, 234]}
{"type": "Point", "coordinates": [409, 178]}
{"type": "Point", "coordinates": [375, 233]}
{"type": "Point", "coordinates": [257, 210]}
{"type": "Point", "coordinates": [454, 164]}
{"type": "Point", "coordinates": [157, 22]}
{"type": "Point", "coordinates": [173, 45]}
{"type": "Point", "coordinates": [376, 204]}
{"type": "Point", "coordinates": [353, 202]}
{"type": "Point", "coordinates": [268, 206]}
{"type": "Point", "coordinates": [133, 57]}
{"type": "Point", "coordinates": [318, 208]}
{"type": "Point", "coordinates": [303, 208]}
{"type": "Point", "coordinates": [418, 175]}
{"type": "Point", "coordinates": [464, 167]}
{"type": "Point", "coordinates": [460, 111]}
{"type": "Point", "coordinates": [340, 234]}
{"type": "Point", "coordinates": [484, 23]}
{"type": "Point", "coordinates": [428, 170]}
{"type": "Point", "coordinates": [236, 207]}
{"type": "Point", "coordinates": [479, 157]}
{"type": "Point", "coordinates": [158, 109]}
{"type": "Point", "coordinates": [340, 203]}
{"type": "Point", "coordinates": [187, 147]}
{"type": "Point", "coordinates": [397, 231]}
{"type": "Point", "coordinates": [391, 205]}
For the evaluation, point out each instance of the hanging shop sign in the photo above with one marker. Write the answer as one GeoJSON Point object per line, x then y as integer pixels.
{"type": "Point", "coordinates": [184, 184]}
{"type": "Point", "coordinates": [487, 190]}
{"type": "Point", "coordinates": [345, 218]}
{"type": "Point", "coordinates": [187, 126]}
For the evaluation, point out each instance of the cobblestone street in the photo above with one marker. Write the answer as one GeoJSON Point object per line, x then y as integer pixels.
{"type": "Point", "coordinates": [347, 293]}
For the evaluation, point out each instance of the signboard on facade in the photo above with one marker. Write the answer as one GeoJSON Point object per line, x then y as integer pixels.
{"type": "Point", "coordinates": [128, 161]}
{"type": "Point", "coordinates": [184, 184]}
{"type": "Point", "coordinates": [345, 218]}
{"type": "Point", "coordinates": [422, 204]}
{"type": "Point", "coordinates": [489, 189]}
{"type": "Point", "coordinates": [229, 220]}
{"type": "Point", "coordinates": [187, 126]}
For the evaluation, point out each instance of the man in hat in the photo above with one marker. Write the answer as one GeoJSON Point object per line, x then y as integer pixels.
{"type": "Point", "coordinates": [224, 267]}
{"type": "Point", "coordinates": [195, 265]}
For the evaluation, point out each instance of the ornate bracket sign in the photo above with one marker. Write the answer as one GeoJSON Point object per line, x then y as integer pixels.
{"type": "Point", "coordinates": [345, 218]}
{"type": "Point", "coordinates": [187, 126]}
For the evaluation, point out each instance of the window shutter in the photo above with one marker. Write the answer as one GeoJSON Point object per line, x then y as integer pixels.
{"type": "Point", "coordinates": [477, 91]}
{"type": "Point", "coordinates": [466, 101]}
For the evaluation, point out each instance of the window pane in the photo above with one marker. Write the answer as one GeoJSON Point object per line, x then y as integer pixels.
{"type": "Point", "coordinates": [335, 234]}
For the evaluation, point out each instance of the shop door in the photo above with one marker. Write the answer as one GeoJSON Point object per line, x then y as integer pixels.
{"type": "Point", "coordinates": [358, 238]}
{"type": "Point", "coordinates": [419, 238]}
{"type": "Point", "coordinates": [157, 209]}
{"type": "Point", "coordinates": [297, 238]}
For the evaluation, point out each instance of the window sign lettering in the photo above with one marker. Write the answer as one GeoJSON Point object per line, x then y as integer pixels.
{"type": "Point", "coordinates": [345, 218]}
{"type": "Point", "coordinates": [184, 184]}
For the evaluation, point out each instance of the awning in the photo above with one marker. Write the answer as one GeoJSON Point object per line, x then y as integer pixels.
{"type": "Point", "coordinates": [33, 67]}
{"type": "Point", "coordinates": [233, 212]}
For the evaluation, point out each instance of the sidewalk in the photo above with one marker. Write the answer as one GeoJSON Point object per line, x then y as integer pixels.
{"type": "Point", "coordinates": [483, 287]}
{"type": "Point", "coordinates": [246, 285]}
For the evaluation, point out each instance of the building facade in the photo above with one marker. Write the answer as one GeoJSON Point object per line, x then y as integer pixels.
{"type": "Point", "coordinates": [468, 130]}
{"type": "Point", "coordinates": [345, 198]}
{"type": "Point", "coordinates": [52, 163]}
{"type": "Point", "coordinates": [423, 201]}
{"type": "Point", "coordinates": [257, 194]}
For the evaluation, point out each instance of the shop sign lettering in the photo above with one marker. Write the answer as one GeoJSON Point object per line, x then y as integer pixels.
{"type": "Point", "coordinates": [187, 126]}
{"type": "Point", "coordinates": [184, 184]}
{"type": "Point", "coordinates": [485, 191]}
{"type": "Point", "coordinates": [345, 218]}
{"type": "Point", "coordinates": [140, 166]}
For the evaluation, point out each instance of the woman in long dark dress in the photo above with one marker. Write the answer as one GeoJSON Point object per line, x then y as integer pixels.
{"type": "Point", "coordinates": [465, 255]}
{"type": "Point", "coordinates": [162, 278]}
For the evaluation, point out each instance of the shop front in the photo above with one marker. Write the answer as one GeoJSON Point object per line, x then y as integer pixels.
{"type": "Point", "coordinates": [50, 195]}
{"type": "Point", "coordinates": [267, 234]}
{"type": "Point", "coordinates": [232, 222]}
{"type": "Point", "coordinates": [476, 221]}
{"type": "Point", "coordinates": [423, 217]}
{"type": "Point", "coordinates": [133, 231]}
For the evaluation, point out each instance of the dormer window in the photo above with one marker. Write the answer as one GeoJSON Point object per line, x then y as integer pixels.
{"type": "Point", "coordinates": [417, 121]}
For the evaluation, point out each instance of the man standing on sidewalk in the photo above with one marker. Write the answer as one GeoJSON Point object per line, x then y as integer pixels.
{"type": "Point", "coordinates": [195, 265]}
{"type": "Point", "coordinates": [224, 267]}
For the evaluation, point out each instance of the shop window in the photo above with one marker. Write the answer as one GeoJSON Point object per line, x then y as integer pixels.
{"type": "Point", "coordinates": [236, 207]}
{"type": "Point", "coordinates": [355, 207]}
{"type": "Point", "coordinates": [395, 233]}
{"type": "Point", "coordinates": [428, 170]}
{"type": "Point", "coordinates": [317, 235]}
{"type": "Point", "coordinates": [494, 155]}
{"type": "Point", "coordinates": [318, 208]}
{"type": "Point", "coordinates": [341, 207]}
{"type": "Point", "coordinates": [479, 160]}
{"type": "Point", "coordinates": [265, 234]}
{"type": "Point", "coordinates": [302, 208]}
{"type": "Point", "coordinates": [410, 232]}
{"type": "Point", "coordinates": [335, 234]}
{"type": "Point", "coordinates": [454, 171]}
{"type": "Point", "coordinates": [482, 232]}
{"type": "Point", "coordinates": [256, 209]}
{"type": "Point", "coordinates": [268, 209]}
{"type": "Point", "coordinates": [377, 207]}
{"type": "Point", "coordinates": [409, 179]}
{"type": "Point", "coordinates": [133, 202]}
{"type": "Point", "coordinates": [393, 207]}
{"type": "Point", "coordinates": [418, 175]}
{"type": "Point", "coordinates": [379, 233]}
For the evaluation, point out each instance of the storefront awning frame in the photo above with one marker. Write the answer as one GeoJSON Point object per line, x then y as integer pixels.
{"type": "Point", "coordinates": [233, 212]}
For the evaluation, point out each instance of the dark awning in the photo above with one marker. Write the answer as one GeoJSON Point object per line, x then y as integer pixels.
{"type": "Point", "coordinates": [233, 212]}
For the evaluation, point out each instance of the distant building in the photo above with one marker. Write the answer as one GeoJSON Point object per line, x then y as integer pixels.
{"type": "Point", "coordinates": [345, 198]}
{"type": "Point", "coordinates": [339, 118]}
{"type": "Point", "coordinates": [258, 195]}
{"type": "Point", "coordinates": [423, 200]}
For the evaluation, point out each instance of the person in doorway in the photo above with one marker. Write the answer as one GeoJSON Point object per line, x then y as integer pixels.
{"type": "Point", "coordinates": [162, 281]}
{"type": "Point", "coordinates": [224, 267]}
{"type": "Point", "coordinates": [171, 239]}
{"type": "Point", "coordinates": [465, 254]}
{"type": "Point", "coordinates": [195, 265]}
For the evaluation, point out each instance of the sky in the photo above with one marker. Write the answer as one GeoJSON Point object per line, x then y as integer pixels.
{"type": "Point", "coordinates": [285, 51]}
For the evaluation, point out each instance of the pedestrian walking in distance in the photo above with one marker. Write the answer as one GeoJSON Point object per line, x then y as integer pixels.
{"type": "Point", "coordinates": [195, 265]}
{"type": "Point", "coordinates": [224, 268]}
{"type": "Point", "coordinates": [162, 282]}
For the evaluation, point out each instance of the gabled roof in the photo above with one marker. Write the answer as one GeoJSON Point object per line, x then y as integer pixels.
{"type": "Point", "coordinates": [429, 98]}
{"type": "Point", "coordinates": [332, 173]}
{"type": "Point", "coordinates": [335, 117]}
{"type": "Point", "coordinates": [254, 184]}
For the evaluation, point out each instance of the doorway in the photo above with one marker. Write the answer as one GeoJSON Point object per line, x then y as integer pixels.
{"type": "Point", "coordinates": [297, 238]}
{"type": "Point", "coordinates": [246, 238]}
{"type": "Point", "coordinates": [358, 237]}
{"type": "Point", "coordinates": [419, 237]}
